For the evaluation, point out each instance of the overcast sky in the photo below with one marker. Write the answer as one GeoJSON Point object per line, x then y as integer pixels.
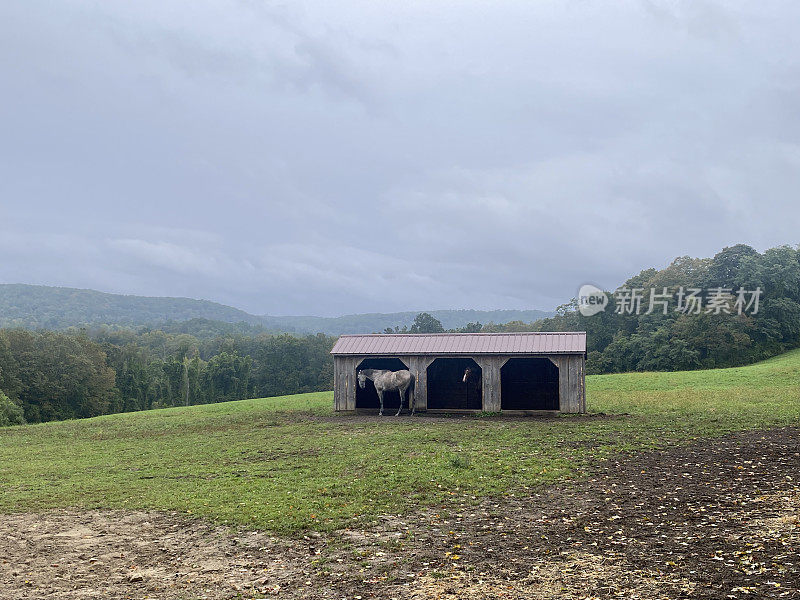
{"type": "Point", "coordinates": [338, 157]}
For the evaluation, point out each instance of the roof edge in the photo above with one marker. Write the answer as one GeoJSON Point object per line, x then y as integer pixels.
{"type": "Point", "coordinates": [487, 333]}
{"type": "Point", "coordinates": [462, 344]}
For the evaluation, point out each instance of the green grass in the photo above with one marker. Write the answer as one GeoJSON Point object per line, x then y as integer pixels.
{"type": "Point", "coordinates": [290, 463]}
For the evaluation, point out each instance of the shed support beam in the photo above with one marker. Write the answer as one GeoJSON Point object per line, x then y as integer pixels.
{"type": "Point", "coordinates": [418, 365]}
{"type": "Point", "coordinates": [490, 367]}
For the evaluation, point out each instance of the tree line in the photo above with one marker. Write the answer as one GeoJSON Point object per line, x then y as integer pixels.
{"type": "Point", "coordinates": [47, 375]}
{"type": "Point", "coordinates": [619, 341]}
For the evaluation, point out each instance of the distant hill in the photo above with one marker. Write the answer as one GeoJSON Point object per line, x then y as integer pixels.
{"type": "Point", "coordinates": [38, 306]}
{"type": "Point", "coordinates": [44, 307]}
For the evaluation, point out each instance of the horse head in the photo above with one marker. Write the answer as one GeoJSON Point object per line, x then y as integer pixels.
{"type": "Point", "coordinates": [362, 379]}
{"type": "Point", "coordinates": [467, 375]}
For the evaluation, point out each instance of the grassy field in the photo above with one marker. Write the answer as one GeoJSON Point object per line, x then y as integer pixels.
{"type": "Point", "coordinates": [289, 463]}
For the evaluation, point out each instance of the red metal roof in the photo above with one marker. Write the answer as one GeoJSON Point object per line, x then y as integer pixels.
{"type": "Point", "coordinates": [570, 342]}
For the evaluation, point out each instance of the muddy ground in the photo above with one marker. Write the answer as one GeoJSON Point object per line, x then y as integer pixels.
{"type": "Point", "coordinates": [717, 519]}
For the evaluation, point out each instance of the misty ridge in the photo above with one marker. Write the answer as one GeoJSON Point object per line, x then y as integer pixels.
{"type": "Point", "coordinates": [55, 308]}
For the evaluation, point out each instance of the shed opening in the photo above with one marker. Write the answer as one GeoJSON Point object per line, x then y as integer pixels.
{"type": "Point", "coordinates": [447, 388]}
{"type": "Point", "coordinates": [368, 397]}
{"type": "Point", "coordinates": [529, 384]}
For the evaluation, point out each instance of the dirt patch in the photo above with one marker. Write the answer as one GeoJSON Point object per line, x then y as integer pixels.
{"type": "Point", "coordinates": [123, 554]}
{"type": "Point", "coordinates": [717, 519]}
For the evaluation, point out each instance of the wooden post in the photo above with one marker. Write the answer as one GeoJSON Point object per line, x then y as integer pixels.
{"type": "Point", "coordinates": [490, 367]}
{"type": "Point", "coordinates": [418, 365]}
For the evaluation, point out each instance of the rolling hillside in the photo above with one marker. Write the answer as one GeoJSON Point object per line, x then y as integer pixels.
{"type": "Point", "coordinates": [35, 307]}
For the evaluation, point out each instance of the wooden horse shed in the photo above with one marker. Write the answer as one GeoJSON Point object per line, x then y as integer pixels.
{"type": "Point", "coordinates": [508, 372]}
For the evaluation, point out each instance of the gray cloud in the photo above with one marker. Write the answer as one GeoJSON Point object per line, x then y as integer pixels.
{"type": "Point", "coordinates": [317, 158]}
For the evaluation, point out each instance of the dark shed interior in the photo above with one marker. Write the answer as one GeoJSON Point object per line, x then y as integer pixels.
{"type": "Point", "coordinates": [447, 388]}
{"type": "Point", "coordinates": [529, 384]}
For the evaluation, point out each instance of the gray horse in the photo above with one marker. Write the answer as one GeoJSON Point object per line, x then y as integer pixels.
{"type": "Point", "coordinates": [386, 381]}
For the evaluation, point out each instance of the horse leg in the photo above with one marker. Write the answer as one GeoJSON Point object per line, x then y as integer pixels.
{"type": "Point", "coordinates": [402, 393]}
{"type": "Point", "coordinates": [380, 397]}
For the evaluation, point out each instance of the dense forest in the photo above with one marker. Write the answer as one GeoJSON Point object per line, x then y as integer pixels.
{"type": "Point", "coordinates": [678, 340]}
{"type": "Point", "coordinates": [47, 375]}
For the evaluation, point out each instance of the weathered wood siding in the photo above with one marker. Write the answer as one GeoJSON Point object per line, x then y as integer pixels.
{"type": "Point", "coordinates": [344, 383]}
{"type": "Point", "coordinates": [571, 382]}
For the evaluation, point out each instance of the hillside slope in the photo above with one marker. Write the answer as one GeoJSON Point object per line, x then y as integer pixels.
{"type": "Point", "coordinates": [37, 306]}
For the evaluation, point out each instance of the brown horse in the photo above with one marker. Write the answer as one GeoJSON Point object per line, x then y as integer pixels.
{"type": "Point", "coordinates": [472, 379]}
{"type": "Point", "coordinates": [386, 381]}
